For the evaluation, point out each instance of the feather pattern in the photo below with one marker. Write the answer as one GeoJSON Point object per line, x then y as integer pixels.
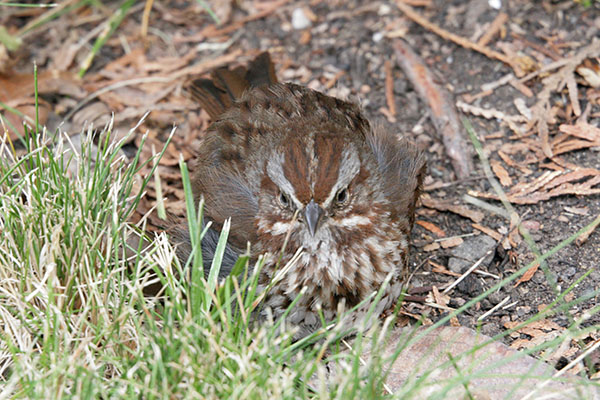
{"type": "Point", "coordinates": [275, 151]}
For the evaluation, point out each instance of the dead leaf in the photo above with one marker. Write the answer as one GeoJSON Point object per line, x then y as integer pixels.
{"type": "Point", "coordinates": [501, 173]}
{"type": "Point", "coordinates": [431, 227]}
{"type": "Point", "coordinates": [26, 107]}
{"type": "Point", "coordinates": [581, 130]}
{"type": "Point", "coordinates": [430, 202]}
{"type": "Point", "coordinates": [590, 71]}
{"type": "Point", "coordinates": [451, 242]}
{"type": "Point", "coordinates": [488, 231]}
{"type": "Point", "coordinates": [431, 246]}
{"type": "Point", "coordinates": [528, 274]}
{"type": "Point", "coordinates": [440, 269]}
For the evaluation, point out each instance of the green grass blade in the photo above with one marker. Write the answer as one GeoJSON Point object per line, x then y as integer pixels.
{"type": "Point", "coordinates": [215, 268]}
{"type": "Point", "coordinates": [113, 24]}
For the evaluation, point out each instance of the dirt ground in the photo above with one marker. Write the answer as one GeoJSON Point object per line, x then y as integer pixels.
{"type": "Point", "coordinates": [341, 47]}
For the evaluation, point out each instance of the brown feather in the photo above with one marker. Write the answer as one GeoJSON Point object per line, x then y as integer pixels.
{"type": "Point", "coordinates": [216, 95]}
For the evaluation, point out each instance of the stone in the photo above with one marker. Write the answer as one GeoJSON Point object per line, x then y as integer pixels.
{"type": "Point", "coordinates": [471, 250]}
{"type": "Point", "coordinates": [495, 371]}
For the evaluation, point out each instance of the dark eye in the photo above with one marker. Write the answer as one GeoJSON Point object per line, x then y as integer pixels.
{"type": "Point", "coordinates": [284, 201]}
{"type": "Point", "coordinates": [342, 196]}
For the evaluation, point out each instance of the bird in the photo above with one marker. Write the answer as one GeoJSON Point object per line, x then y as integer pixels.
{"type": "Point", "coordinates": [297, 170]}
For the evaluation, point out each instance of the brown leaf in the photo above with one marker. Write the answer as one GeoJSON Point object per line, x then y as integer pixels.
{"type": "Point", "coordinates": [572, 145]}
{"type": "Point", "coordinates": [27, 108]}
{"type": "Point", "coordinates": [429, 202]}
{"type": "Point", "coordinates": [488, 231]}
{"type": "Point", "coordinates": [451, 242]}
{"type": "Point", "coordinates": [431, 247]}
{"type": "Point", "coordinates": [584, 237]}
{"type": "Point", "coordinates": [514, 375]}
{"type": "Point", "coordinates": [501, 173]}
{"type": "Point", "coordinates": [581, 130]}
{"type": "Point", "coordinates": [438, 268]}
{"type": "Point", "coordinates": [432, 228]}
{"type": "Point", "coordinates": [571, 176]}
{"type": "Point", "coordinates": [573, 94]}
{"type": "Point", "coordinates": [527, 275]}
{"type": "Point", "coordinates": [524, 188]}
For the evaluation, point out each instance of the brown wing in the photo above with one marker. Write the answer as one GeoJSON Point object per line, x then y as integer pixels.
{"type": "Point", "coordinates": [403, 168]}
{"type": "Point", "coordinates": [226, 85]}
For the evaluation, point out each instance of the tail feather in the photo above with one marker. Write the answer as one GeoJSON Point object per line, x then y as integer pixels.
{"type": "Point", "coordinates": [226, 85]}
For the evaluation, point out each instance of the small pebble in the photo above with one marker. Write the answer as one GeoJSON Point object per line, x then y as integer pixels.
{"type": "Point", "coordinates": [495, 4]}
{"type": "Point", "coordinates": [300, 20]}
{"type": "Point", "coordinates": [384, 9]}
{"type": "Point", "coordinates": [377, 36]}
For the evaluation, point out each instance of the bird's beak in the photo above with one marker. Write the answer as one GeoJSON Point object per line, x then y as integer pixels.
{"type": "Point", "coordinates": [312, 215]}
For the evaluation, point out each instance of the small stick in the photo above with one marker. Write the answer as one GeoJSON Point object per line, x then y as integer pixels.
{"type": "Point", "coordinates": [459, 40]}
{"type": "Point", "coordinates": [493, 309]}
{"type": "Point", "coordinates": [563, 370]}
{"type": "Point", "coordinates": [494, 28]}
{"type": "Point", "coordinates": [389, 88]}
{"type": "Point", "coordinates": [468, 272]}
{"type": "Point", "coordinates": [584, 236]}
{"type": "Point", "coordinates": [145, 19]}
{"type": "Point", "coordinates": [443, 112]}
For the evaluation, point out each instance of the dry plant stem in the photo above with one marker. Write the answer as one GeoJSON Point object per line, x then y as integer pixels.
{"type": "Point", "coordinates": [506, 203]}
{"type": "Point", "coordinates": [467, 272]}
{"type": "Point", "coordinates": [26, 30]}
{"type": "Point", "coordinates": [563, 370]}
{"type": "Point", "coordinates": [494, 28]}
{"type": "Point", "coordinates": [555, 82]}
{"type": "Point", "coordinates": [584, 237]}
{"type": "Point", "coordinates": [493, 309]}
{"type": "Point", "coordinates": [487, 206]}
{"type": "Point", "coordinates": [459, 40]}
{"type": "Point", "coordinates": [553, 55]}
{"type": "Point", "coordinates": [146, 18]}
{"type": "Point", "coordinates": [389, 88]}
{"type": "Point", "coordinates": [443, 113]}
{"type": "Point", "coordinates": [195, 69]}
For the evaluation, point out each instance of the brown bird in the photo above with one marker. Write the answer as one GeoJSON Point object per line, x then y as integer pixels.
{"type": "Point", "coordinates": [282, 159]}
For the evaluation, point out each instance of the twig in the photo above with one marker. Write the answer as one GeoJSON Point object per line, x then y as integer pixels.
{"type": "Point", "coordinates": [487, 206]}
{"type": "Point", "coordinates": [439, 306]}
{"type": "Point", "coordinates": [191, 70]}
{"type": "Point", "coordinates": [443, 113]}
{"type": "Point", "coordinates": [468, 272]}
{"type": "Point", "coordinates": [459, 40]}
{"type": "Point", "coordinates": [389, 88]}
{"type": "Point", "coordinates": [494, 28]}
{"type": "Point", "coordinates": [584, 236]}
{"type": "Point", "coordinates": [563, 370]}
{"type": "Point", "coordinates": [454, 237]}
{"type": "Point", "coordinates": [553, 55]}
{"type": "Point", "coordinates": [493, 309]}
{"type": "Point", "coordinates": [555, 82]}
{"type": "Point", "coordinates": [146, 19]}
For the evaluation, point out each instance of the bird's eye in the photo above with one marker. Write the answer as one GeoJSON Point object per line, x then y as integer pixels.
{"type": "Point", "coordinates": [284, 201]}
{"type": "Point", "coordinates": [342, 197]}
